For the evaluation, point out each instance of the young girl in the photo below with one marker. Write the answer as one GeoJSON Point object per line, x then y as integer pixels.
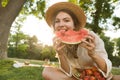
{"type": "Point", "coordinates": [75, 59]}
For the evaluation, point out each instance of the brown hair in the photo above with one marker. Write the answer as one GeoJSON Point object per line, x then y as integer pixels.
{"type": "Point", "coordinates": [71, 50]}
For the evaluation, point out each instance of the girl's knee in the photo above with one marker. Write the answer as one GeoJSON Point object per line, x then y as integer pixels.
{"type": "Point", "coordinates": [45, 72]}
{"type": "Point", "coordinates": [116, 77]}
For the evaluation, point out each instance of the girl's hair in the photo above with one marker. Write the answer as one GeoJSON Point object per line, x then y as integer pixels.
{"type": "Point", "coordinates": [75, 19]}
{"type": "Point", "coordinates": [71, 50]}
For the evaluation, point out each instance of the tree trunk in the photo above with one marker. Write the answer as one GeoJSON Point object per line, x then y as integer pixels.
{"type": "Point", "coordinates": [7, 16]}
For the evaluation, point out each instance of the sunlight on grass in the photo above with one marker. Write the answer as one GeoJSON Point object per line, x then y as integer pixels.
{"type": "Point", "coordinates": [8, 72]}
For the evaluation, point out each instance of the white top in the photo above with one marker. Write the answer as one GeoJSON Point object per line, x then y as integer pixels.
{"type": "Point", "coordinates": [84, 61]}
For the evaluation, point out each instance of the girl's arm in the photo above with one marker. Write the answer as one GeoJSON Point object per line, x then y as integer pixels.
{"type": "Point", "coordinates": [59, 47]}
{"type": "Point", "coordinates": [90, 45]}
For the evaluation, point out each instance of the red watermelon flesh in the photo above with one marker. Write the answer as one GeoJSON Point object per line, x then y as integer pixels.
{"type": "Point", "coordinates": [71, 36]}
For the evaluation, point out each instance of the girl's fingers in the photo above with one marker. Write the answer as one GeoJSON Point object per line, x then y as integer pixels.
{"type": "Point", "coordinates": [88, 43]}
{"type": "Point", "coordinates": [57, 44]}
{"type": "Point", "coordinates": [90, 38]}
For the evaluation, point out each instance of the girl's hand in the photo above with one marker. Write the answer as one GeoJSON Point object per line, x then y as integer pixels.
{"type": "Point", "coordinates": [89, 44]}
{"type": "Point", "coordinates": [58, 45]}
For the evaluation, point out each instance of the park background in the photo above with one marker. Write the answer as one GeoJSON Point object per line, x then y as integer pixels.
{"type": "Point", "coordinates": [26, 38]}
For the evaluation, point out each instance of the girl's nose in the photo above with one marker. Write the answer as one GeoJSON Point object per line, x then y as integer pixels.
{"type": "Point", "coordinates": [61, 23]}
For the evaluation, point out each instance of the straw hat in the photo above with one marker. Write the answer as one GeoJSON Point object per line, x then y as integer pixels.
{"type": "Point", "coordinates": [65, 5]}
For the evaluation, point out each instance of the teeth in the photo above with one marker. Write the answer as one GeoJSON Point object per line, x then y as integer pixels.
{"type": "Point", "coordinates": [62, 30]}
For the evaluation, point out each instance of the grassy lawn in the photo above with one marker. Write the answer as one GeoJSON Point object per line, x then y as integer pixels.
{"type": "Point", "coordinates": [8, 72]}
{"type": "Point", "coordinates": [116, 71]}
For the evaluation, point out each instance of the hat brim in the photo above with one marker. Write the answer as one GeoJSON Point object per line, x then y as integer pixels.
{"type": "Point", "coordinates": [65, 5]}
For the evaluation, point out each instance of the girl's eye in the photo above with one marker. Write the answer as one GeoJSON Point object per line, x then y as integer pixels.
{"type": "Point", "coordinates": [67, 20]}
{"type": "Point", "coordinates": [56, 21]}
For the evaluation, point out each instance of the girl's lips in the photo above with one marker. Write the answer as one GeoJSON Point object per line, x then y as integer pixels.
{"type": "Point", "coordinates": [63, 30]}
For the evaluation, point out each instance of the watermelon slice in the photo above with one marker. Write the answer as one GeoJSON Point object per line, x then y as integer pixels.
{"type": "Point", "coordinates": [71, 36]}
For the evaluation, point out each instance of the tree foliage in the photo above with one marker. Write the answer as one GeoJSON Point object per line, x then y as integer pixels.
{"type": "Point", "coordinates": [21, 45]}
{"type": "Point", "coordinates": [118, 45]}
{"type": "Point", "coordinates": [34, 7]}
{"type": "Point", "coordinates": [4, 3]}
{"type": "Point", "coordinates": [113, 49]}
{"type": "Point", "coordinates": [99, 13]}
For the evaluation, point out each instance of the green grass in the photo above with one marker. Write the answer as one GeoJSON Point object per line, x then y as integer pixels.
{"type": "Point", "coordinates": [8, 72]}
{"type": "Point", "coordinates": [23, 60]}
{"type": "Point", "coordinates": [116, 71]}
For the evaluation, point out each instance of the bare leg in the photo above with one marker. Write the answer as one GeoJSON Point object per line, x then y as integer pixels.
{"type": "Point", "coordinates": [116, 77]}
{"type": "Point", "coordinates": [50, 73]}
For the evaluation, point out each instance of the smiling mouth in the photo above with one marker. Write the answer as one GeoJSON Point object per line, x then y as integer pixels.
{"type": "Point", "coordinates": [63, 30]}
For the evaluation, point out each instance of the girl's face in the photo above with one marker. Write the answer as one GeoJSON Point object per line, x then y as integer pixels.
{"type": "Point", "coordinates": [63, 21]}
